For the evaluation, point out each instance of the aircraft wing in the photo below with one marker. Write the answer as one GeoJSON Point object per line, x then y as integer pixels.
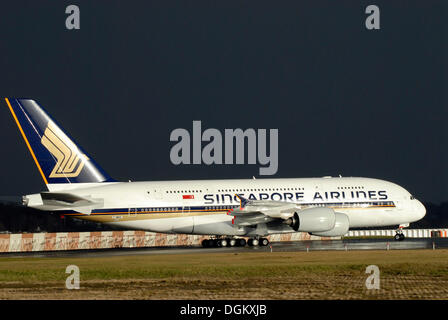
{"type": "Point", "coordinates": [248, 218]}
{"type": "Point", "coordinates": [255, 212]}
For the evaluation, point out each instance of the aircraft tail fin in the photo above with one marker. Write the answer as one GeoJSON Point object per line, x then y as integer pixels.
{"type": "Point", "coordinates": [58, 158]}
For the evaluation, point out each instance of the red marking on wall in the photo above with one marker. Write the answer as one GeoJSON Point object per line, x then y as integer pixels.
{"type": "Point", "coordinates": [117, 239]}
{"type": "Point", "coordinates": [4, 242]}
{"type": "Point", "coordinates": [95, 240]}
{"type": "Point", "coordinates": [27, 242]}
{"type": "Point", "coordinates": [50, 241]}
{"type": "Point", "coordinates": [139, 238]}
{"type": "Point", "coordinates": [73, 240]}
{"type": "Point", "coordinates": [161, 240]}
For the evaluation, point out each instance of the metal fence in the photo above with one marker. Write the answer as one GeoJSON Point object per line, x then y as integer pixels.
{"type": "Point", "coordinates": [409, 233]}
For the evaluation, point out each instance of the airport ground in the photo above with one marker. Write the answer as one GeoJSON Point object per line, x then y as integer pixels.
{"type": "Point", "coordinates": [245, 273]}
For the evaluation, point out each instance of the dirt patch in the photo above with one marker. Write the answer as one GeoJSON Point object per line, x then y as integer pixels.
{"type": "Point", "coordinates": [311, 287]}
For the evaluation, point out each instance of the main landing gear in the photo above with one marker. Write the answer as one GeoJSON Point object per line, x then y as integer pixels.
{"type": "Point", "coordinates": [258, 242]}
{"type": "Point", "coordinates": [223, 242]}
{"type": "Point", "coordinates": [234, 242]}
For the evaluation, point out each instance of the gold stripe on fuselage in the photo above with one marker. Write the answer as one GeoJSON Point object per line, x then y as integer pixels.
{"type": "Point", "coordinates": [126, 216]}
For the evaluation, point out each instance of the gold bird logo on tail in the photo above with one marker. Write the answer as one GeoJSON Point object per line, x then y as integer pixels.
{"type": "Point", "coordinates": [70, 160]}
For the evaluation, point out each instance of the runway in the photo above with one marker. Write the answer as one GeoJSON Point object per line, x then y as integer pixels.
{"type": "Point", "coordinates": [315, 245]}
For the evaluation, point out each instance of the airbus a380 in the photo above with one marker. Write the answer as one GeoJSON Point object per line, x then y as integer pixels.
{"type": "Point", "coordinates": [227, 210]}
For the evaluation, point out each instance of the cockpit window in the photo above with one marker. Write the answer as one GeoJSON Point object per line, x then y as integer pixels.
{"type": "Point", "coordinates": [412, 197]}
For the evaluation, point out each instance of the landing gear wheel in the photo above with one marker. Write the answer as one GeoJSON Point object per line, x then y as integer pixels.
{"type": "Point", "coordinates": [264, 242]}
{"type": "Point", "coordinates": [255, 242]}
{"type": "Point", "coordinates": [250, 242]}
{"type": "Point", "coordinates": [223, 243]}
{"type": "Point", "coordinates": [401, 237]}
{"type": "Point", "coordinates": [205, 243]}
{"type": "Point", "coordinates": [233, 242]}
{"type": "Point", "coordinates": [397, 237]}
{"type": "Point", "coordinates": [241, 242]}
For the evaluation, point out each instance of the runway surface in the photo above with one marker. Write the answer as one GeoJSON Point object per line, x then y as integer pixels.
{"type": "Point", "coordinates": [330, 245]}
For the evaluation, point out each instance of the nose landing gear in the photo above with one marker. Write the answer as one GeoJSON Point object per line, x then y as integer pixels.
{"type": "Point", "coordinates": [399, 236]}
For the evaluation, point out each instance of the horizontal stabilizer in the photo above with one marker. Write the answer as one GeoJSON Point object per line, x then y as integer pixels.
{"type": "Point", "coordinates": [77, 203]}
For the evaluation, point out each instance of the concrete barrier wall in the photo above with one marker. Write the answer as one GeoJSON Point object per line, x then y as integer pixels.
{"type": "Point", "coordinates": [27, 242]}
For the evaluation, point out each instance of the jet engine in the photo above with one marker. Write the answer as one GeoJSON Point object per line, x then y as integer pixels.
{"type": "Point", "coordinates": [312, 220]}
{"type": "Point", "coordinates": [340, 228]}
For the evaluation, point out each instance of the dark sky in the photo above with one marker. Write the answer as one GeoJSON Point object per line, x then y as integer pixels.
{"type": "Point", "coordinates": [345, 100]}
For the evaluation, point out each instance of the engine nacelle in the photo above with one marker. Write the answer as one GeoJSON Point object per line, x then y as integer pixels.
{"type": "Point", "coordinates": [340, 228]}
{"type": "Point", "coordinates": [313, 220]}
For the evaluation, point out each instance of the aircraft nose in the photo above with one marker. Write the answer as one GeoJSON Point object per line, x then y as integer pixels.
{"type": "Point", "coordinates": [420, 210]}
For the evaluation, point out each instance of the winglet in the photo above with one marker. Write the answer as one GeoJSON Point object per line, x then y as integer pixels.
{"type": "Point", "coordinates": [243, 201]}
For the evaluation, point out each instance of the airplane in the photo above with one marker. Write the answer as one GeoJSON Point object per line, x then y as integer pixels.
{"type": "Point", "coordinates": [227, 211]}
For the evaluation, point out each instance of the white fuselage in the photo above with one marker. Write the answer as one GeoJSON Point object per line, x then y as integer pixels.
{"type": "Point", "coordinates": [201, 206]}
